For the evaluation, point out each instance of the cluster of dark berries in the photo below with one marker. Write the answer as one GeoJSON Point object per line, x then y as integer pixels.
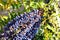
{"type": "Point", "coordinates": [23, 27]}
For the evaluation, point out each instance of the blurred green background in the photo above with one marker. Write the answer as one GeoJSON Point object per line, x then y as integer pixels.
{"type": "Point", "coordinates": [50, 26]}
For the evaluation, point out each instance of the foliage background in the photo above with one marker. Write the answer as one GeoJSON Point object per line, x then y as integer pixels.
{"type": "Point", "coordinates": [50, 26]}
